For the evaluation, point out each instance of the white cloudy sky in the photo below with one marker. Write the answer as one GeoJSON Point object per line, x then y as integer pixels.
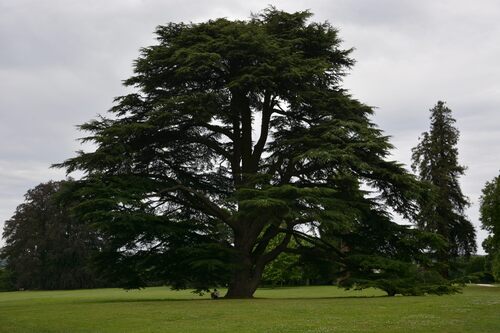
{"type": "Point", "coordinates": [62, 62]}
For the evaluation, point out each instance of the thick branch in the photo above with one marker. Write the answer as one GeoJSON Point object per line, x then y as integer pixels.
{"type": "Point", "coordinates": [271, 255]}
{"type": "Point", "coordinates": [218, 129]}
{"type": "Point", "coordinates": [287, 174]}
{"type": "Point", "coordinates": [241, 106]}
{"type": "Point", "coordinates": [196, 198]}
{"type": "Point", "coordinates": [214, 145]}
{"type": "Point", "coordinates": [235, 159]}
{"type": "Point", "coordinates": [313, 240]}
{"type": "Point", "coordinates": [274, 167]}
{"type": "Point", "coordinates": [264, 131]}
{"type": "Point", "coordinates": [262, 244]}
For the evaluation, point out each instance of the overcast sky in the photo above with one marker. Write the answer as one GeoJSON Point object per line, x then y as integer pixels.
{"type": "Point", "coordinates": [62, 62]}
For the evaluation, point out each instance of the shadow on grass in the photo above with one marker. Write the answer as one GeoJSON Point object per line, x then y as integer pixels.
{"type": "Point", "coordinates": [152, 300]}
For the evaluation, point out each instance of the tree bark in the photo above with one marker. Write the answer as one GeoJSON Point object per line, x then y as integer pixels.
{"type": "Point", "coordinates": [245, 280]}
{"type": "Point", "coordinates": [248, 274]}
{"type": "Point", "coordinates": [243, 285]}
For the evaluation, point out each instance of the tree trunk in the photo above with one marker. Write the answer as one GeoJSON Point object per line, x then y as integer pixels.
{"type": "Point", "coordinates": [245, 281]}
{"type": "Point", "coordinates": [246, 278]}
{"type": "Point", "coordinates": [241, 289]}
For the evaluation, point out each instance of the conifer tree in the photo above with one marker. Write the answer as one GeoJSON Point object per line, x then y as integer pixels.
{"type": "Point", "coordinates": [239, 139]}
{"type": "Point", "coordinates": [435, 159]}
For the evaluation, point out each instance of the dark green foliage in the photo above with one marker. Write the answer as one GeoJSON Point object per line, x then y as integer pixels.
{"type": "Point", "coordinates": [239, 135]}
{"type": "Point", "coordinates": [394, 258]}
{"type": "Point", "coordinates": [473, 269]}
{"type": "Point", "coordinates": [45, 247]}
{"type": "Point", "coordinates": [490, 220]}
{"type": "Point", "coordinates": [395, 277]}
{"type": "Point", "coordinates": [7, 282]}
{"type": "Point", "coordinates": [435, 159]}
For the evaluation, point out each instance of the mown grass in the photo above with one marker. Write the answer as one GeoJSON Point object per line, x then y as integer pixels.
{"type": "Point", "coordinates": [300, 310]}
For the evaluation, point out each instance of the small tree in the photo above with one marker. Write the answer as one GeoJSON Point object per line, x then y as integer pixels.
{"type": "Point", "coordinates": [239, 135]}
{"type": "Point", "coordinates": [435, 159]}
{"type": "Point", "coordinates": [490, 220]}
{"type": "Point", "coordinates": [45, 247]}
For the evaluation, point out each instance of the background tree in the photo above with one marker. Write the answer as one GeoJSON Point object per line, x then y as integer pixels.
{"type": "Point", "coordinates": [490, 220]}
{"type": "Point", "coordinates": [472, 269]}
{"type": "Point", "coordinates": [6, 280]}
{"type": "Point", "coordinates": [45, 247]}
{"type": "Point", "coordinates": [286, 269]}
{"type": "Point", "coordinates": [435, 159]}
{"type": "Point", "coordinates": [239, 134]}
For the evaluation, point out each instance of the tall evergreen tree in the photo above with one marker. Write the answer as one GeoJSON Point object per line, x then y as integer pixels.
{"type": "Point", "coordinates": [435, 159]}
{"type": "Point", "coordinates": [45, 247]}
{"type": "Point", "coordinates": [239, 139]}
{"type": "Point", "coordinates": [490, 220]}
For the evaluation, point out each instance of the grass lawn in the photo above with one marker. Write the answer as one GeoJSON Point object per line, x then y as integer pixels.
{"type": "Point", "coordinates": [301, 309]}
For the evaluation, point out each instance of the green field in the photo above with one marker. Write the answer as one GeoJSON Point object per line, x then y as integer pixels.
{"type": "Point", "coordinates": [302, 309]}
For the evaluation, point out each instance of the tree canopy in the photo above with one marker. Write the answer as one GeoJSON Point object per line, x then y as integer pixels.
{"type": "Point", "coordinates": [238, 139]}
{"type": "Point", "coordinates": [45, 247]}
{"type": "Point", "coordinates": [490, 221]}
{"type": "Point", "coordinates": [442, 211]}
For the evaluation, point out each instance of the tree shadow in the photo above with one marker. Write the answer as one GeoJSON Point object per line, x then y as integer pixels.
{"type": "Point", "coordinates": [152, 300]}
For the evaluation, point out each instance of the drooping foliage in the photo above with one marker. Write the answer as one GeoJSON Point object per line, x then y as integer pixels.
{"type": "Point", "coordinates": [45, 248]}
{"type": "Point", "coordinates": [239, 134]}
{"type": "Point", "coordinates": [442, 210]}
{"type": "Point", "coordinates": [490, 221]}
{"type": "Point", "coordinates": [395, 258]}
